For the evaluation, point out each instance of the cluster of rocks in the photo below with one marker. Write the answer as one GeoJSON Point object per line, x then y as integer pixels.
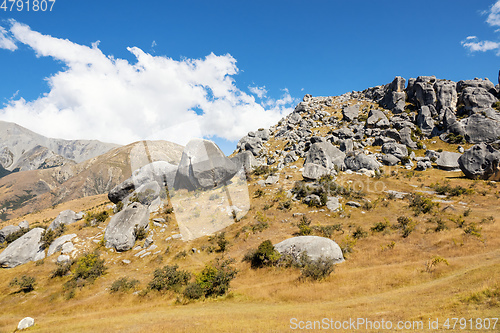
{"type": "Point", "coordinates": [30, 247]}
{"type": "Point", "coordinates": [427, 107]}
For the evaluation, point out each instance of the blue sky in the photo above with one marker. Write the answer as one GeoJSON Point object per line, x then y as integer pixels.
{"type": "Point", "coordinates": [222, 68]}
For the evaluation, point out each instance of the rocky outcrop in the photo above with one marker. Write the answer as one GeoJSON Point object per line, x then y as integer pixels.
{"type": "Point", "coordinates": [425, 121]}
{"type": "Point", "coordinates": [349, 113]}
{"type": "Point", "coordinates": [483, 127]}
{"type": "Point", "coordinates": [24, 249]}
{"type": "Point", "coordinates": [203, 165]}
{"type": "Point", "coordinates": [160, 172]}
{"type": "Point", "coordinates": [7, 231]}
{"type": "Point", "coordinates": [65, 217]}
{"type": "Point", "coordinates": [448, 160]}
{"type": "Point", "coordinates": [246, 160]}
{"type": "Point", "coordinates": [326, 155]}
{"type": "Point", "coordinates": [315, 247]}
{"type": "Point", "coordinates": [359, 160]}
{"type": "Point", "coordinates": [481, 161]}
{"type": "Point", "coordinates": [119, 233]}
{"type": "Point", "coordinates": [58, 243]}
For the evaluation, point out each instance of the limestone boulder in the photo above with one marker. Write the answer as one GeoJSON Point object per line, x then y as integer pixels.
{"type": "Point", "coordinates": [119, 233]}
{"type": "Point", "coordinates": [24, 249]}
{"type": "Point", "coordinates": [481, 161]}
{"type": "Point", "coordinates": [203, 165]}
{"type": "Point", "coordinates": [65, 217]}
{"type": "Point", "coordinates": [315, 247]}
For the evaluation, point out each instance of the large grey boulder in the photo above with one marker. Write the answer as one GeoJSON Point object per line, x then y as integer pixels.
{"type": "Point", "coordinates": [315, 247]}
{"type": "Point", "coordinates": [446, 94]}
{"type": "Point", "coordinates": [476, 98]}
{"type": "Point", "coordinates": [65, 217]}
{"type": "Point", "coordinates": [358, 161]}
{"type": "Point", "coordinates": [396, 149]}
{"type": "Point", "coordinates": [451, 124]}
{"type": "Point", "coordinates": [7, 231]}
{"type": "Point", "coordinates": [24, 249]}
{"type": "Point", "coordinates": [203, 165]}
{"type": "Point", "coordinates": [326, 155]}
{"type": "Point", "coordinates": [57, 244]}
{"type": "Point", "coordinates": [314, 171]}
{"type": "Point", "coordinates": [424, 90]}
{"type": "Point", "coordinates": [349, 113]}
{"type": "Point", "coordinates": [377, 118]}
{"type": "Point", "coordinates": [250, 143]}
{"type": "Point", "coordinates": [483, 127]}
{"type": "Point", "coordinates": [481, 161]}
{"type": "Point", "coordinates": [448, 160]}
{"type": "Point", "coordinates": [161, 172]}
{"type": "Point", "coordinates": [389, 159]}
{"type": "Point", "coordinates": [245, 159]}
{"type": "Point", "coordinates": [333, 204]}
{"type": "Point", "coordinates": [119, 233]}
{"type": "Point", "coordinates": [425, 121]}
{"type": "Point", "coordinates": [406, 138]}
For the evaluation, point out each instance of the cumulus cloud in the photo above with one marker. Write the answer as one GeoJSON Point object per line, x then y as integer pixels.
{"type": "Point", "coordinates": [6, 42]}
{"type": "Point", "coordinates": [260, 92]}
{"type": "Point", "coordinates": [474, 45]}
{"type": "Point", "coordinates": [98, 96]}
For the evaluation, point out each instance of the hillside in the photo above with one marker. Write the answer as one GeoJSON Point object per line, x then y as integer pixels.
{"type": "Point", "coordinates": [381, 178]}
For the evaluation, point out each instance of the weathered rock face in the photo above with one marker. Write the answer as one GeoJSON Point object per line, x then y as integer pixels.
{"type": "Point", "coordinates": [482, 128]}
{"type": "Point", "coordinates": [24, 249]}
{"type": "Point", "coordinates": [314, 171]}
{"type": "Point", "coordinates": [65, 217]}
{"type": "Point", "coordinates": [203, 165]}
{"type": "Point", "coordinates": [424, 90]}
{"type": "Point", "coordinates": [425, 121]}
{"type": "Point", "coordinates": [119, 233]}
{"type": "Point", "coordinates": [326, 155]}
{"type": "Point", "coordinates": [246, 160]}
{"type": "Point", "coordinates": [406, 138]}
{"type": "Point", "coordinates": [451, 124]}
{"type": "Point", "coordinates": [160, 172]}
{"type": "Point", "coordinates": [395, 149]}
{"type": "Point", "coordinates": [350, 113]}
{"type": "Point", "coordinates": [7, 231]}
{"type": "Point", "coordinates": [358, 161]}
{"type": "Point", "coordinates": [58, 243]}
{"type": "Point", "coordinates": [250, 143]}
{"type": "Point", "coordinates": [377, 118]}
{"type": "Point", "coordinates": [476, 98]}
{"type": "Point", "coordinates": [448, 160]}
{"type": "Point", "coordinates": [446, 94]}
{"type": "Point", "coordinates": [481, 162]}
{"type": "Point", "coordinates": [316, 247]}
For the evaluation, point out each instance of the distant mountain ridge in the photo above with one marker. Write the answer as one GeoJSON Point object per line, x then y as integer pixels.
{"type": "Point", "coordinates": [23, 150]}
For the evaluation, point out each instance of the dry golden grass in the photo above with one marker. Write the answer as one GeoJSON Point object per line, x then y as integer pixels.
{"type": "Point", "coordinates": [375, 282]}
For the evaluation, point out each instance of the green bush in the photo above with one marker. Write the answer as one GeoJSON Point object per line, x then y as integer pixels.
{"type": "Point", "coordinates": [169, 278]}
{"type": "Point", "coordinates": [89, 267]}
{"type": "Point", "coordinates": [380, 226]}
{"type": "Point", "coordinates": [61, 270]}
{"type": "Point", "coordinates": [119, 206]}
{"type": "Point", "coordinates": [327, 230]}
{"type": "Point", "coordinates": [455, 138]}
{"type": "Point", "coordinates": [25, 283]}
{"type": "Point", "coordinates": [421, 204]}
{"type": "Point", "coordinates": [258, 193]}
{"type": "Point", "coordinates": [222, 242]}
{"type": "Point", "coordinates": [50, 235]}
{"type": "Point", "coordinates": [304, 226]}
{"type": "Point", "coordinates": [406, 225]}
{"type": "Point", "coordinates": [215, 278]}
{"type": "Point", "coordinates": [285, 205]}
{"type": "Point", "coordinates": [15, 235]}
{"type": "Point", "coordinates": [193, 291]}
{"type": "Point", "coordinates": [265, 255]}
{"type": "Point", "coordinates": [359, 233]}
{"type": "Point", "coordinates": [123, 284]}
{"type": "Point", "coordinates": [447, 189]}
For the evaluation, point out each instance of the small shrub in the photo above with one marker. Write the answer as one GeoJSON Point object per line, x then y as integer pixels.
{"type": "Point", "coordinates": [61, 270]}
{"type": "Point", "coordinates": [89, 267]}
{"type": "Point", "coordinates": [473, 229]}
{"type": "Point", "coordinates": [304, 226]}
{"type": "Point", "coordinates": [258, 193]}
{"type": "Point", "coordinates": [347, 245]}
{"type": "Point", "coordinates": [169, 210]}
{"type": "Point", "coordinates": [193, 291]}
{"type": "Point", "coordinates": [119, 206]}
{"type": "Point", "coordinates": [380, 226]}
{"type": "Point", "coordinates": [406, 225]}
{"type": "Point", "coordinates": [261, 170]}
{"type": "Point", "coordinates": [359, 233]}
{"type": "Point", "coordinates": [222, 242]}
{"type": "Point", "coordinates": [265, 255]}
{"type": "Point", "coordinates": [489, 219]}
{"type": "Point", "coordinates": [389, 246]}
{"type": "Point", "coordinates": [285, 205]}
{"type": "Point", "coordinates": [327, 230]}
{"type": "Point", "coordinates": [215, 278]}
{"type": "Point", "coordinates": [169, 278]}
{"type": "Point", "coordinates": [181, 254]}
{"type": "Point", "coordinates": [140, 233]}
{"type": "Point", "coordinates": [431, 264]}
{"type": "Point", "coordinates": [123, 284]}
{"type": "Point", "coordinates": [25, 283]}
{"type": "Point", "coordinates": [317, 269]}
{"type": "Point", "coordinates": [421, 205]}
{"type": "Point", "coordinates": [441, 225]}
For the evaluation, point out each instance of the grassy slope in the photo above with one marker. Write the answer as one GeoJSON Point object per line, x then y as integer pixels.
{"type": "Point", "coordinates": [374, 282]}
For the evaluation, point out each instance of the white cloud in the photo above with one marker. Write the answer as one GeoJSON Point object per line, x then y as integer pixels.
{"type": "Point", "coordinates": [6, 42]}
{"type": "Point", "coordinates": [493, 20]}
{"type": "Point", "coordinates": [260, 92]}
{"type": "Point", "coordinates": [494, 15]}
{"type": "Point", "coordinates": [101, 97]}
